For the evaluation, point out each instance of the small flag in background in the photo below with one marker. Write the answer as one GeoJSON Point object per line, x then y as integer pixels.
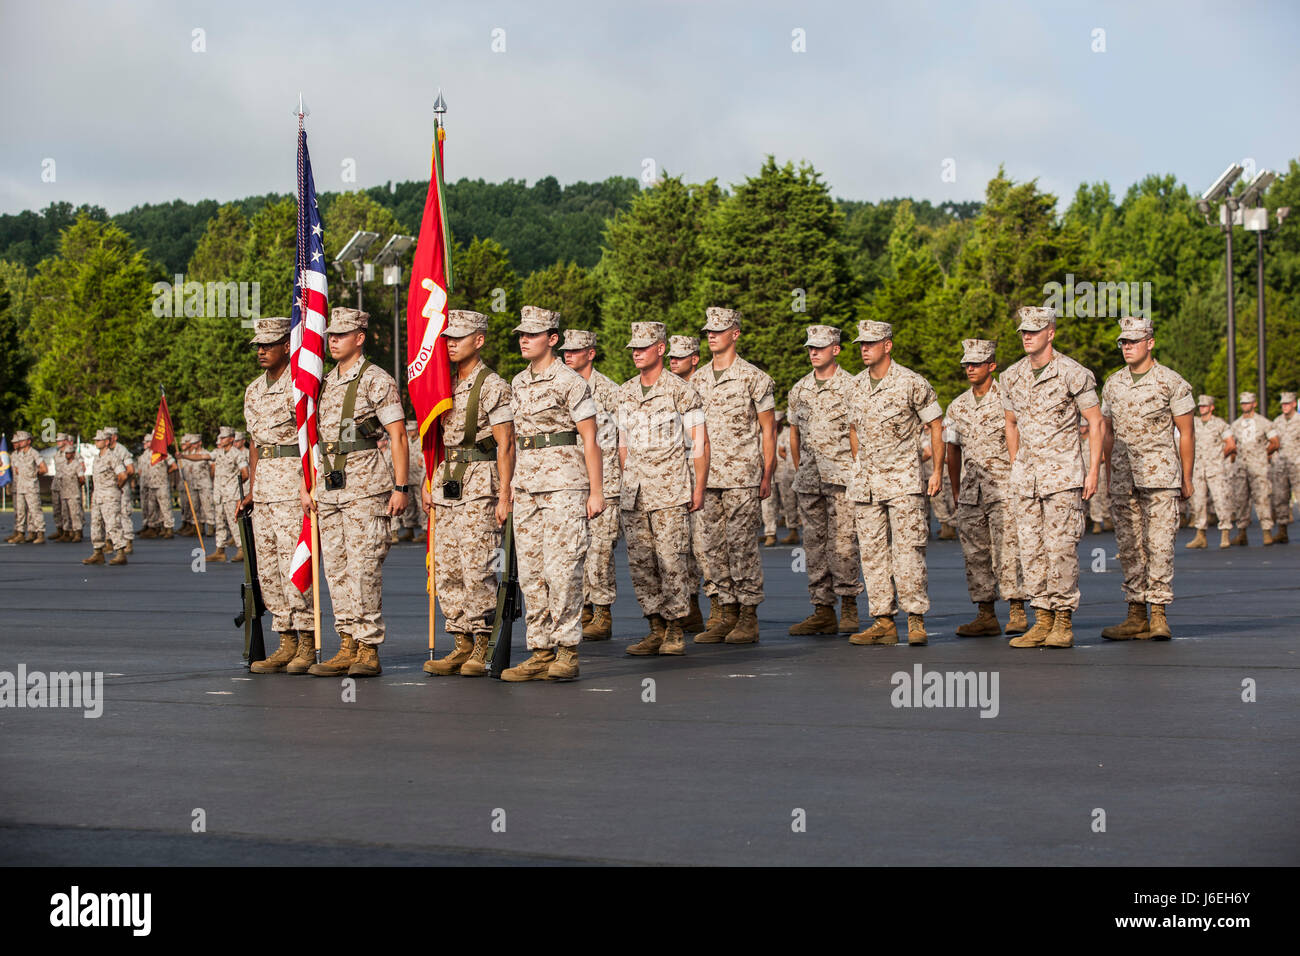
{"type": "Point", "coordinates": [6, 475]}
{"type": "Point", "coordinates": [163, 435]}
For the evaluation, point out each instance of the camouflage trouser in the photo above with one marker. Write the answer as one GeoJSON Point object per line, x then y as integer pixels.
{"type": "Point", "coordinates": [726, 544]}
{"type": "Point", "coordinates": [551, 540]}
{"type": "Point", "coordinates": [70, 516]}
{"type": "Point", "coordinates": [1048, 529]}
{"type": "Point", "coordinates": [156, 503]}
{"type": "Point", "coordinates": [465, 542]}
{"type": "Point", "coordinates": [413, 515]}
{"type": "Point", "coordinates": [1251, 486]}
{"type": "Point", "coordinates": [1146, 524]}
{"type": "Point", "coordinates": [989, 545]}
{"type": "Point", "coordinates": [106, 518]}
{"type": "Point", "coordinates": [202, 501]}
{"type": "Point", "coordinates": [891, 538]}
{"type": "Point", "coordinates": [1284, 476]}
{"type": "Point", "coordinates": [128, 522]}
{"type": "Point", "coordinates": [28, 517]}
{"type": "Point", "coordinates": [693, 564]}
{"type": "Point", "coordinates": [1210, 486]}
{"type": "Point", "coordinates": [276, 527]}
{"type": "Point", "coordinates": [942, 505]}
{"type": "Point", "coordinates": [658, 545]}
{"type": "Point", "coordinates": [1099, 503]}
{"type": "Point", "coordinates": [830, 543]}
{"type": "Point", "coordinates": [355, 539]}
{"type": "Point", "coordinates": [600, 586]}
{"type": "Point", "coordinates": [227, 525]}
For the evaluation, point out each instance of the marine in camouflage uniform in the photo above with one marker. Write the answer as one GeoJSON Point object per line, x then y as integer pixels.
{"type": "Point", "coordinates": [740, 409]}
{"type": "Point", "coordinates": [128, 462]}
{"type": "Point", "coordinates": [656, 410]}
{"type": "Point", "coordinates": [155, 492]}
{"type": "Point", "coordinates": [557, 491]}
{"type": "Point", "coordinates": [1141, 406]}
{"type": "Point", "coordinates": [683, 360]}
{"type": "Point", "coordinates": [1214, 442]}
{"type": "Point", "coordinates": [69, 476]}
{"type": "Point", "coordinates": [196, 468]}
{"type": "Point", "coordinates": [889, 406]}
{"type": "Point", "coordinates": [273, 490]}
{"type": "Point", "coordinates": [1256, 440]}
{"type": "Point", "coordinates": [820, 450]}
{"type": "Point", "coordinates": [470, 497]}
{"type": "Point", "coordinates": [1098, 506]}
{"type": "Point", "coordinates": [411, 520]}
{"type": "Point", "coordinates": [1284, 475]}
{"type": "Point", "coordinates": [980, 467]}
{"type": "Point", "coordinates": [941, 505]}
{"type": "Point", "coordinates": [1043, 396]}
{"type": "Point", "coordinates": [106, 505]}
{"type": "Point", "coordinates": [355, 519]}
{"type": "Point", "coordinates": [600, 588]}
{"type": "Point", "coordinates": [229, 471]}
{"type": "Point", "coordinates": [27, 467]}
{"type": "Point", "coordinates": [781, 505]}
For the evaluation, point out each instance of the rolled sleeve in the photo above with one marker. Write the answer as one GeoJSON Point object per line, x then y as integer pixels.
{"type": "Point", "coordinates": [584, 409]}
{"type": "Point", "coordinates": [693, 418]}
{"type": "Point", "coordinates": [1183, 403]}
{"type": "Point", "coordinates": [387, 414]}
{"type": "Point", "coordinates": [1087, 399]}
{"type": "Point", "coordinates": [930, 412]}
{"type": "Point", "coordinates": [501, 415]}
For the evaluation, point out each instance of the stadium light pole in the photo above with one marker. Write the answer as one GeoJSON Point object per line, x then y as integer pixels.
{"type": "Point", "coordinates": [1228, 212]}
{"type": "Point", "coordinates": [354, 251]}
{"type": "Point", "coordinates": [390, 259]}
{"type": "Point", "coordinates": [1254, 218]}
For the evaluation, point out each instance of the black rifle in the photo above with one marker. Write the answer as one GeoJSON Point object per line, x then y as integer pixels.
{"type": "Point", "coordinates": [508, 602]}
{"type": "Point", "coordinates": [250, 592]}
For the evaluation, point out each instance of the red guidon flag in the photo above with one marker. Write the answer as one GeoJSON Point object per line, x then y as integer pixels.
{"type": "Point", "coordinates": [162, 432]}
{"type": "Point", "coordinates": [428, 369]}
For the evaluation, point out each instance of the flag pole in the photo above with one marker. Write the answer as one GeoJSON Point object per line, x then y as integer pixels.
{"type": "Point", "coordinates": [439, 108]}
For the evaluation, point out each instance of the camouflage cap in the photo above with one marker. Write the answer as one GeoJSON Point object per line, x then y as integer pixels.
{"type": "Point", "coordinates": [821, 336]}
{"type": "Point", "coordinates": [533, 320]}
{"type": "Point", "coordinates": [1288, 398]}
{"type": "Point", "coordinates": [239, 436]}
{"type": "Point", "coordinates": [872, 331]}
{"type": "Point", "coordinates": [189, 438]}
{"type": "Point", "coordinates": [343, 319]}
{"type": "Point", "coordinates": [412, 425]}
{"type": "Point", "coordinates": [110, 429]}
{"type": "Point", "coordinates": [575, 339]}
{"type": "Point", "coordinates": [1205, 400]}
{"type": "Point", "coordinates": [1035, 318]}
{"type": "Point", "coordinates": [101, 435]}
{"type": "Point", "coordinates": [718, 319]}
{"type": "Point", "coordinates": [269, 331]}
{"type": "Point", "coordinates": [977, 351]}
{"type": "Point", "coordinates": [683, 346]}
{"type": "Point", "coordinates": [1134, 328]}
{"type": "Point", "coordinates": [225, 431]}
{"type": "Point", "coordinates": [462, 322]}
{"type": "Point", "coordinates": [645, 334]}
{"type": "Point", "coordinates": [148, 437]}
{"type": "Point", "coordinates": [1246, 397]}
{"type": "Point", "coordinates": [22, 436]}
{"type": "Point", "coordinates": [64, 436]}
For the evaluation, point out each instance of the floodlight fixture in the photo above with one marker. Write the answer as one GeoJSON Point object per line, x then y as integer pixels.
{"type": "Point", "coordinates": [356, 247]}
{"type": "Point", "coordinates": [1221, 185]}
{"type": "Point", "coordinates": [1256, 188]}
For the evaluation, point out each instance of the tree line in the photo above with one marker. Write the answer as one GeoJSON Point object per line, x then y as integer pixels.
{"type": "Point", "coordinates": [86, 339]}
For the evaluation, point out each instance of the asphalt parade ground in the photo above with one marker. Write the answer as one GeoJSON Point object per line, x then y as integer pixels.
{"type": "Point", "coordinates": [791, 751]}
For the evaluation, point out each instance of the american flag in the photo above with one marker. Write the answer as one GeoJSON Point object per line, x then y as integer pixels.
{"type": "Point", "coordinates": [307, 342]}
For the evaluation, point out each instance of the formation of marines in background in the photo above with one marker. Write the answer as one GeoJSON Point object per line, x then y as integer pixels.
{"type": "Point", "coordinates": [692, 465]}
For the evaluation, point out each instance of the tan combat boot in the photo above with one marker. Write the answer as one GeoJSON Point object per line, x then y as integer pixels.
{"type": "Point", "coordinates": [1268, 536]}
{"type": "Point", "coordinates": [1062, 634]}
{"type": "Point", "coordinates": [848, 614]}
{"type": "Point", "coordinates": [536, 667]}
{"type": "Point", "coordinates": [694, 622]}
{"type": "Point", "coordinates": [14, 538]}
{"type": "Point", "coordinates": [821, 621]}
{"type": "Point", "coordinates": [586, 615]}
{"type": "Point", "coordinates": [217, 556]}
{"type": "Point", "coordinates": [1159, 624]}
{"type": "Point", "coordinates": [367, 662]}
{"type": "Point", "coordinates": [916, 635]}
{"type": "Point", "coordinates": [985, 623]}
{"type": "Point", "coordinates": [476, 666]}
{"type": "Point", "coordinates": [1017, 622]}
{"type": "Point", "coordinates": [40, 538]}
{"type": "Point", "coordinates": [565, 665]}
{"type": "Point", "coordinates": [1225, 540]}
{"type": "Point", "coordinates": [674, 639]}
{"type": "Point", "coordinates": [406, 534]}
{"type": "Point", "coordinates": [421, 538]}
{"type": "Point", "coordinates": [746, 629]}
{"type": "Point", "coordinates": [1240, 539]}
{"type": "Point", "coordinates": [119, 558]}
{"type": "Point", "coordinates": [96, 557]}
{"type": "Point", "coordinates": [883, 631]}
{"type": "Point", "coordinates": [1197, 542]}
{"type": "Point", "coordinates": [650, 643]}
{"type": "Point", "coordinates": [722, 618]}
{"type": "Point", "coordinates": [147, 532]}
{"type": "Point", "coordinates": [31, 536]}
{"type": "Point", "coordinates": [601, 625]}
{"type": "Point", "coordinates": [946, 532]}
{"type": "Point", "coordinates": [305, 657]}
{"type": "Point", "coordinates": [238, 556]}
{"type": "Point", "coordinates": [340, 662]}
{"type": "Point", "coordinates": [791, 538]}
{"type": "Point", "coordinates": [280, 659]}
{"type": "Point", "coordinates": [186, 531]}
{"type": "Point", "coordinates": [76, 536]}
{"type": "Point", "coordinates": [769, 541]}
{"type": "Point", "coordinates": [61, 536]}
{"type": "Point", "coordinates": [1133, 626]}
{"type": "Point", "coordinates": [1043, 621]}
{"type": "Point", "coordinates": [1096, 527]}
{"type": "Point", "coordinates": [452, 662]}
{"type": "Point", "coordinates": [1281, 536]}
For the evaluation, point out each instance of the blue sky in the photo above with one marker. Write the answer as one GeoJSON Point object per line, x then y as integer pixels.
{"type": "Point", "coordinates": [882, 97]}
